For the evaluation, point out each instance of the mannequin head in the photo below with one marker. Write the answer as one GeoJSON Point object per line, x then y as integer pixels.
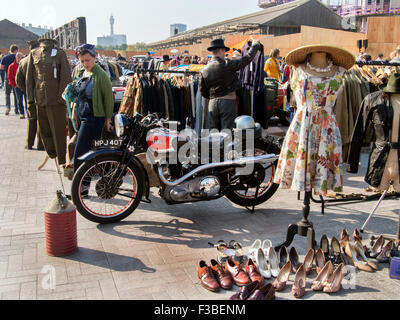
{"type": "Point", "coordinates": [319, 59]}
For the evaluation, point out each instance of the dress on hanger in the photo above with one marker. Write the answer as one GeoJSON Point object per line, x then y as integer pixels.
{"type": "Point", "coordinates": [313, 139]}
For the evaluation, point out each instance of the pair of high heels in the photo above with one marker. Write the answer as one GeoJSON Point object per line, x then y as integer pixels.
{"type": "Point", "coordinates": [332, 250]}
{"type": "Point", "coordinates": [294, 259]}
{"type": "Point", "coordinates": [327, 282]}
{"type": "Point", "coordinates": [356, 253]}
{"type": "Point", "coordinates": [380, 251]}
{"type": "Point", "coordinates": [268, 265]}
{"type": "Point", "coordinates": [300, 280]}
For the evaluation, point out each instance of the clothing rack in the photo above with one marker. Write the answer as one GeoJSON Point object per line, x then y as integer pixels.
{"type": "Point", "coordinates": [378, 63]}
{"type": "Point", "coordinates": [166, 71]}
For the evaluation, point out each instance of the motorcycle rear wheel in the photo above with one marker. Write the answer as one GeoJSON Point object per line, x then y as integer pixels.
{"type": "Point", "coordinates": [267, 190]}
{"type": "Point", "coordinates": [96, 199]}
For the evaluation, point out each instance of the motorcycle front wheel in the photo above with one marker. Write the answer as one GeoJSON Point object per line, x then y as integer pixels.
{"type": "Point", "coordinates": [103, 194]}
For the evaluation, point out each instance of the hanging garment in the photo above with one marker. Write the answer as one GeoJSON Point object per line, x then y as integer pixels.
{"type": "Point", "coordinates": [252, 76]}
{"type": "Point", "coordinates": [48, 74]}
{"type": "Point", "coordinates": [376, 112]}
{"type": "Point", "coordinates": [312, 152]}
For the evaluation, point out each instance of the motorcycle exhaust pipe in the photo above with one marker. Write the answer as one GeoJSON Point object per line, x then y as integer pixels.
{"type": "Point", "coordinates": [237, 163]}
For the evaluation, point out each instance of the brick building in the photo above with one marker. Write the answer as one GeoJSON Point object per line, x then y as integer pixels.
{"type": "Point", "coordinates": [11, 33]}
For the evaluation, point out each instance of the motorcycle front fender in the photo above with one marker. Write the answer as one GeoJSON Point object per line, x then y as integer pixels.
{"type": "Point", "coordinates": [93, 154]}
{"type": "Point", "coordinates": [101, 152]}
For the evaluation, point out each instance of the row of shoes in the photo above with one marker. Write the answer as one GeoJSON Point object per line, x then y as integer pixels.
{"type": "Point", "coordinates": [216, 276]}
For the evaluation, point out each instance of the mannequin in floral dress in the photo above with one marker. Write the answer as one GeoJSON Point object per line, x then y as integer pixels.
{"type": "Point", "coordinates": [312, 152]}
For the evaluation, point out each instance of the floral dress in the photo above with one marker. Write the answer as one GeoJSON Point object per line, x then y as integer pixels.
{"type": "Point", "coordinates": [312, 152]}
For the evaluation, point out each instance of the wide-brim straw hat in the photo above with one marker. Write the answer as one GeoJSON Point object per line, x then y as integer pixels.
{"type": "Point", "coordinates": [340, 57]}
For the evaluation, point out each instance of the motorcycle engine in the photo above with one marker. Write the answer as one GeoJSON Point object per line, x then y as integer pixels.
{"type": "Point", "coordinates": [201, 188]}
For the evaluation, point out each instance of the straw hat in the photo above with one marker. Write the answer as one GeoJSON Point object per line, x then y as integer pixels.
{"type": "Point", "coordinates": [341, 57]}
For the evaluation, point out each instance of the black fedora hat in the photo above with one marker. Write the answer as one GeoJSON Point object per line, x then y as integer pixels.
{"type": "Point", "coordinates": [218, 44]}
{"type": "Point", "coordinates": [166, 58]}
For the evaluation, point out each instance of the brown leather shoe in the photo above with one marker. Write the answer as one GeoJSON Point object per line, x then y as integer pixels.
{"type": "Point", "coordinates": [245, 292]}
{"type": "Point", "coordinates": [221, 275]}
{"type": "Point", "coordinates": [238, 275]}
{"type": "Point", "coordinates": [254, 273]}
{"type": "Point", "coordinates": [207, 277]}
{"type": "Point", "coordinates": [265, 293]}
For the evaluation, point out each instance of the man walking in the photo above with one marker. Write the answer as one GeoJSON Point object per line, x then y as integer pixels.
{"type": "Point", "coordinates": [33, 129]}
{"type": "Point", "coordinates": [219, 82]}
{"type": "Point", "coordinates": [4, 65]}
{"type": "Point", "coordinates": [11, 75]}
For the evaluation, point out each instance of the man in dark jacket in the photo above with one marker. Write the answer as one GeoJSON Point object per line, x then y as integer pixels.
{"type": "Point", "coordinates": [219, 82]}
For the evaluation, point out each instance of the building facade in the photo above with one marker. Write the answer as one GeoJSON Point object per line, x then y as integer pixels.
{"type": "Point", "coordinates": [112, 40]}
{"type": "Point", "coordinates": [177, 28]}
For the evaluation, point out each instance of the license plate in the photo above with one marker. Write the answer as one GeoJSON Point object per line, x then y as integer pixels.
{"type": "Point", "coordinates": [107, 144]}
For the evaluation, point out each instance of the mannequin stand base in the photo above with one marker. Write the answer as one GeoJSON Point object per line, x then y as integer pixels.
{"type": "Point", "coordinates": [303, 228]}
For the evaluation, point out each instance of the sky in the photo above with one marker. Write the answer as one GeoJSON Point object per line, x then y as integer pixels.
{"type": "Point", "coordinates": [142, 21]}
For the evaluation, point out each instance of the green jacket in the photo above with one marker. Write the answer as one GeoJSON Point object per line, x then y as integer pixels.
{"type": "Point", "coordinates": [103, 100]}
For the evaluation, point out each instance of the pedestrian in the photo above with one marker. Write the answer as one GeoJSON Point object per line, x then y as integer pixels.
{"type": "Point", "coordinates": [219, 82]}
{"type": "Point", "coordinates": [2, 74]}
{"type": "Point", "coordinates": [11, 75]}
{"type": "Point", "coordinates": [272, 65]}
{"type": "Point", "coordinates": [95, 104]}
{"type": "Point", "coordinates": [380, 57]}
{"type": "Point", "coordinates": [6, 61]}
{"type": "Point", "coordinates": [165, 65]}
{"type": "Point", "coordinates": [186, 61]}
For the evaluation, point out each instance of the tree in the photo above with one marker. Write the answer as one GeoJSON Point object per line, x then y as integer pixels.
{"type": "Point", "coordinates": [138, 46]}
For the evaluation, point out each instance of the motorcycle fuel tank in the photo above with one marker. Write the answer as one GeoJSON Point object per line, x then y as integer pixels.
{"type": "Point", "coordinates": [162, 140]}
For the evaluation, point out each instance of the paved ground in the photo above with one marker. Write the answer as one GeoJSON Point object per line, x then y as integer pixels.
{"type": "Point", "coordinates": [154, 253]}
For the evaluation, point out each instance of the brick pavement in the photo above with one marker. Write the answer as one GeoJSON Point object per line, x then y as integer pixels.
{"type": "Point", "coordinates": [154, 253]}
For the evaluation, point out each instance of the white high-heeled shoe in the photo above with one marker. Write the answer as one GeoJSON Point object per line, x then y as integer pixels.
{"type": "Point", "coordinates": [273, 262]}
{"type": "Point", "coordinates": [253, 251]}
{"type": "Point", "coordinates": [263, 264]}
{"type": "Point", "coordinates": [267, 244]}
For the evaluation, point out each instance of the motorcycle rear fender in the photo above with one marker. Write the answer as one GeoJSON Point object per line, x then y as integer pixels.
{"type": "Point", "coordinates": [98, 153]}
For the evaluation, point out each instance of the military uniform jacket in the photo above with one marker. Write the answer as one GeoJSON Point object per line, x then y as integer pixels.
{"type": "Point", "coordinates": [377, 112]}
{"type": "Point", "coordinates": [48, 74]}
{"type": "Point", "coordinates": [20, 79]}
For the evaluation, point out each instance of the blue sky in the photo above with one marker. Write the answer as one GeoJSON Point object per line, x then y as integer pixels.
{"type": "Point", "coordinates": [145, 21]}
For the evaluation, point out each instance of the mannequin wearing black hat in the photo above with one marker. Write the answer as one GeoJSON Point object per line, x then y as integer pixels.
{"type": "Point", "coordinates": [219, 82]}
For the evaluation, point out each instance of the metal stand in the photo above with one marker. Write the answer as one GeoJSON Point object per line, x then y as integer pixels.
{"type": "Point", "coordinates": [304, 228]}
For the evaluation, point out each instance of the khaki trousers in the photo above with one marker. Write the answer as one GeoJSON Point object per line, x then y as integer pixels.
{"type": "Point", "coordinates": [53, 129]}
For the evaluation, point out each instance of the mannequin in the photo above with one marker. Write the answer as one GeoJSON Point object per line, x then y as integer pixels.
{"type": "Point", "coordinates": [391, 172]}
{"type": "Point", "coordinates": [48, 73]}
{"type": "Point", "coordinates": [312, 152]}
{"type": "Point", "coordinates": [381, 112]}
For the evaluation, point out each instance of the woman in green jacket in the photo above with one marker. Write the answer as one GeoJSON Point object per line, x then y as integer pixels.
{"type": "Point", "coordinates": [95, 104]}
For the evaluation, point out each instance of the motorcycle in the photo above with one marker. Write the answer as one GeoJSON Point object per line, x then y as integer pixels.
{"type": "Point", "coordinates": [117, 175]}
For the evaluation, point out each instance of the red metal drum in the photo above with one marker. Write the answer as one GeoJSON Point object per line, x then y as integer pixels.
{"type": "Point", "coordinates": [61, 227]}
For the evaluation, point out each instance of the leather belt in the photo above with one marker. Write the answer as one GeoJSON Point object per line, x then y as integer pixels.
{"type": "Point", "coordinates": [395, 145]}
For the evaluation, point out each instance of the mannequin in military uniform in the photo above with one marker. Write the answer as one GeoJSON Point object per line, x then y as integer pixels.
{"type": "Point", "coordinates": [48, 74]}
{"type": "Point", "coordinates": [32, 129]}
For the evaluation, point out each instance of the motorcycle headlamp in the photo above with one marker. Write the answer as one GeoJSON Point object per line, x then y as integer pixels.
{"type": "Point", "coordinates": [121, 123]}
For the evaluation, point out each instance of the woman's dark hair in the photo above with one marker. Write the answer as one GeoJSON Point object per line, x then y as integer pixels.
{"type": "Point", "coordinates": [83, 51]}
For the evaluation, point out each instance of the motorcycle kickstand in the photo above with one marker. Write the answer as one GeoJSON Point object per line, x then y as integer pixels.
{"type": "Point", "coordinates": [253, 209]}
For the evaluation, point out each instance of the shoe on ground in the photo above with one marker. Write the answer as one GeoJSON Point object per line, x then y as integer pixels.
{"type": "Point", "coordinates": [22, 117]}
{"type": "Point", "coordinates": [7, 112]}
{"type": "Point", "coordinates": [28, 148]}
